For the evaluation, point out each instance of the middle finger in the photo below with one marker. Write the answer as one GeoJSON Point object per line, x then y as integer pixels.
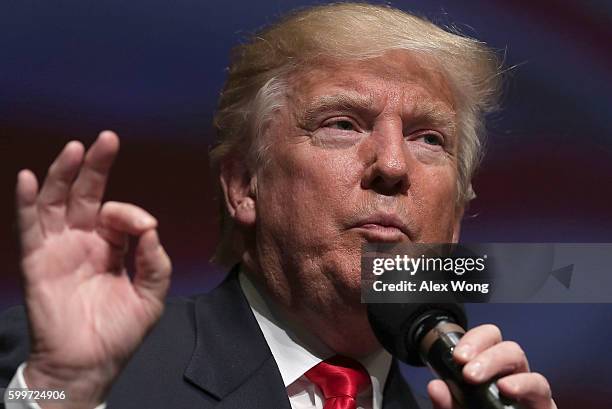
{"type": "Point", "coordinates": [54, 192]}
{"type": "Point", "coordinates": [501, 359]}
{"type": "Point", "coordinates": [88, 189]}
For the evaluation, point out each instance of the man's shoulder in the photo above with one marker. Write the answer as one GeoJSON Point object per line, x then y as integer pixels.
{"type": "Point", "coordinates": [14, 321]}
{"type": "Point", "coordinates": [195, 351]}
{"type": "Point", "coordinates": [14, 342]}
{"type": "Point", "coordinates": [176, 328]}
{"type": "Point", "coordinates": [12, 318]}
{"type": "Point", "coordinates": [182, 313]}
{"type": "Point", "coordinates": [174, 333]}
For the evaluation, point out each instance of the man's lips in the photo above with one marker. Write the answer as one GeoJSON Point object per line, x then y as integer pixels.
{"type": "Point", "coordinates": [383, 227]}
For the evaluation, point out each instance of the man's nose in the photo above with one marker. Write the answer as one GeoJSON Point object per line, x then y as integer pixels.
{"type": "Point", "coordinates": [387, 170]}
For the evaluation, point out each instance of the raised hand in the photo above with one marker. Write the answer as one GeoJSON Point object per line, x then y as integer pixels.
{"type": "Point", "coordinates": [86, 316]}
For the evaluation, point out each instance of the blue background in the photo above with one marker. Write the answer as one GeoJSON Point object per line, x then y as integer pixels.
{"type": "Point", "coordinates": [152, 71]}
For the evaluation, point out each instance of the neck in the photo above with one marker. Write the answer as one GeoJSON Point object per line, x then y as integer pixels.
{"type": "Point", "coordinates": [346, 332]}
{"type": "Point", "coordinates": [340, 324]}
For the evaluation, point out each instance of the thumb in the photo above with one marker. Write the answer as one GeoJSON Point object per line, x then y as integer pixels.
{"type": "Point", "coordinates": [153, 268]}
{"type": "Point", "coordinates": [440, 395]}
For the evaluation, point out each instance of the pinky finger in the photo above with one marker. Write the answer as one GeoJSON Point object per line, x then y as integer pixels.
{"type": "Point", "coordinates": [532, 388]}
{"type": "Point", "coordinates": [27, 214]}
{"type": "Point", "coordinates": [440, 395]}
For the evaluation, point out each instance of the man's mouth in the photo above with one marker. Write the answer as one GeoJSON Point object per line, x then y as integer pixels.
{"type": "Point", "coordinates": [383, 227]}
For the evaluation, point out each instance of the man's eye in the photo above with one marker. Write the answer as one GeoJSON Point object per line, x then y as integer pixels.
{"type": "Point", "coordinates": [343, 125]}
{"type": "Point", "coordinates": [432, 139]}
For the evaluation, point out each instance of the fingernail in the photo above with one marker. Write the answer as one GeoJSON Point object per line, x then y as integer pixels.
{"type": "Point", "coordinates": [464, 351]}
{"type": "Point", "coordinates": [474, 370]}
{"type": "Point", "coordinates": [509, 386]}
{"type": "Point", "coordinates": [105, 132]}
{"type": "Point", "coordinates": [144, 222]}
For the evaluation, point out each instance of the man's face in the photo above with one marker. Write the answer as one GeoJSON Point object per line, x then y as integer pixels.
{"type": "Point", "coordinates": [365, 151]}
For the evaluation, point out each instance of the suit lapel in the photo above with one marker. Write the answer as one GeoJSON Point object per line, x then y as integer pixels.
{"type": "Point", "coordinates": [231, 359]}
{"type": "Point", "coordinates": [397, 393]}
{"type": "Point", "coordinates": [232, 362]}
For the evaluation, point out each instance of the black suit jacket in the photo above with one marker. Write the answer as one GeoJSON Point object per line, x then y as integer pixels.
{"type": "Point", "coordinates": [206, 352]}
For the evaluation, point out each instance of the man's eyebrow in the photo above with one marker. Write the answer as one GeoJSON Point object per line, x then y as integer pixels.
{"type": "Point", "coordinates": [422, 114]}
{"type": "Point", "coordinates": [345, 101]}
{"type": "Point", "coordinates": [433, 115]}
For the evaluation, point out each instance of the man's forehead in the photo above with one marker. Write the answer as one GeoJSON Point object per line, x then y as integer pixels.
{"type": "Point", "coordinates": [417, 80]}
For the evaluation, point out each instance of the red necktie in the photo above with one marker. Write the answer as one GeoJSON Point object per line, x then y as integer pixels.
{"type": "Point", "coordinates": [340, 379]}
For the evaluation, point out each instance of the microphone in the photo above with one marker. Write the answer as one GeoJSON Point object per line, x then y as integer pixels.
{"type": "Point", "coordinates": [427, 333]}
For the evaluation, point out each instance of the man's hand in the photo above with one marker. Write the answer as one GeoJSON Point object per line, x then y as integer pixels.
{"type": "Point", "coordinates": [86, 316]}
{"type": "Point", "coordinates": [486, 356]}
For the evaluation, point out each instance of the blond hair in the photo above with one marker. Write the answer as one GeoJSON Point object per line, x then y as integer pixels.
{"type": "Point", "coordinates": [256, 81]}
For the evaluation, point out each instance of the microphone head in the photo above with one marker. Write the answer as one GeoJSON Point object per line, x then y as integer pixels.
{"type": "Point", "coordinates": [396, 325]}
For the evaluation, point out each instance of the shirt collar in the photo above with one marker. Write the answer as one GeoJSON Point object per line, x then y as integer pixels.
{"type": "Point", "coordinates": [296, 351]}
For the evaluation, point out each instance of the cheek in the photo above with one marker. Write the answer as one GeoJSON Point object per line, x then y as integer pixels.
{"type": "Point", "coordinates": [438, 194]}
{"type": "Point", "coordinates": [317, 175]}
{"type": "Point", "coordinates": [301, 191]}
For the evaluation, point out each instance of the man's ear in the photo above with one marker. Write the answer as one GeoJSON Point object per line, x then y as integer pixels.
{"type": "Point", "coordinates": [459, 211]}
{"type": "Point", "coordinates": [237, 184]}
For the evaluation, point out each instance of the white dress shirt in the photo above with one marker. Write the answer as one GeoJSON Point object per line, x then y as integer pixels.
{"type": "Point", "coordinates": [295, 352]}
{"type": "Point", "coordinates": [18, 381]}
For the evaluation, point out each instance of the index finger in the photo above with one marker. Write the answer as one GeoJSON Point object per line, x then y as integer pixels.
{"type": "Point", "coordinates": [88, 189]}
{"type": "Point", "coordinates": [27, 214]}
